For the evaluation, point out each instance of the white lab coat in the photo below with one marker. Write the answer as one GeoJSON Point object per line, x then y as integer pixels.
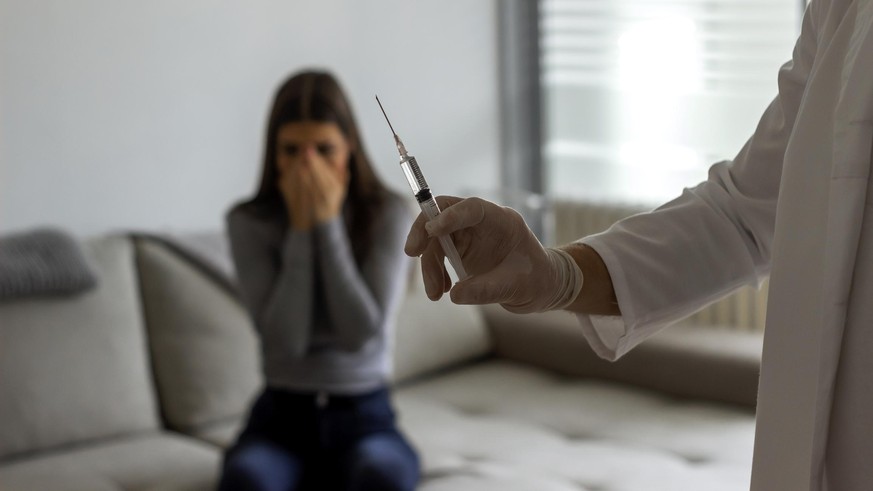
{"type": "Point", "coordinates": [796, 203]}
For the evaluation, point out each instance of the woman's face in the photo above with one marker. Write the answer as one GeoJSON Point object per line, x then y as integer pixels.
{"type": "Point", "coordinates": [312, 143]}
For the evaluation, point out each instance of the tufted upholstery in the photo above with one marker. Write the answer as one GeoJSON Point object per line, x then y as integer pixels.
{"type": "Point", "coordinates": [506, 426]}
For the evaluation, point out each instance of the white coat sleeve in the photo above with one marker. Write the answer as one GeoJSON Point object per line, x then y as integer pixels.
{"type": "Point", "coordinates": [714, 238]}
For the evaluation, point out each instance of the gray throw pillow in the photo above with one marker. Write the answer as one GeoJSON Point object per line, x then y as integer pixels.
{"type": "Point", "coordinates": [41, 262]}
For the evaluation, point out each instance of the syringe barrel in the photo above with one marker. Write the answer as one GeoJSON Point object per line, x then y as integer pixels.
{"type": "Point", "coordinates": [431, 209]}
{"type": "Point", "coordinates": [413, 175]}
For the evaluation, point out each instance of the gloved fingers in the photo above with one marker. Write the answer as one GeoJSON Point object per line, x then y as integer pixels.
{"type": "Point", "coordinates": [433, 271]}
{"type": "Point", "coordinates": [418, 238]}
{"type": "Point", "coordinates": [445, 201]}
{"type": "Point", "coordinates": [457, 214]}
{"type": "Point", "coordinates": [493, 291]}
{"type": "Point", "coordinates": [490, 287]}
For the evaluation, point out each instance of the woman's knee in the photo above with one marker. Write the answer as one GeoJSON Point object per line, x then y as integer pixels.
{"type": "Point", "coordinates": [386, 464]}
{"type": "Point", "coordinates": [259, 466]}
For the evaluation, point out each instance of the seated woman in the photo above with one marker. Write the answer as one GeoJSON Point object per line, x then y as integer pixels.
{"type": "Point", "coordinates": [318, 252]}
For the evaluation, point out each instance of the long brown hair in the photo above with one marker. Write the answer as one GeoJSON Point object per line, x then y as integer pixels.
{"type": "Point", "coordinates": [317, 96]}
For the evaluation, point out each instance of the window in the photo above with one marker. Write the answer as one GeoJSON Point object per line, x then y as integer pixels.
{"type": "Point", "coordinates": [640, 97]}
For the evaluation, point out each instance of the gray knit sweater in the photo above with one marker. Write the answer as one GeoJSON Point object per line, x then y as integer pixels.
{"type": "Point", "coordinates": [325, 322]}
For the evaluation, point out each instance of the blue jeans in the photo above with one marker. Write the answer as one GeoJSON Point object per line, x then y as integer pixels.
{"type": "Point", "coordinates": [306, 441]}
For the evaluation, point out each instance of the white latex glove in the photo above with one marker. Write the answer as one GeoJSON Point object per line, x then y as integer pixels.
{"type": "Point", "coordinates": [505, 261]}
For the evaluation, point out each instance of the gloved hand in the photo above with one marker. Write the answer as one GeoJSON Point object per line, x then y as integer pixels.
{"type": "Point", "coordinates": [505, 261]}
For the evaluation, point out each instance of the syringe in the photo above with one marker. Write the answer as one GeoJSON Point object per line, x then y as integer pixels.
{"type": "Point", "coordinates": [425, 199]}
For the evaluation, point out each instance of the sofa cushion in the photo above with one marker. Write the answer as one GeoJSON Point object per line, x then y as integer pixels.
{"type": "Point", "coordinates": [75, 368]}
{"type": "Point", "coordinates": [150, 462]}
{"type": "Point", "coordinates": [719, 364]}
{"type": "Point", "coordinates": [55, 480]}
{"type": "Point", "coordinates": [204, 349]}
{"type": "Point", "coordinates": [430, 336]}
{"type": "Point", "coordinates": [222, 435]}
{"type": "Point", "coordinates": [500, 425]}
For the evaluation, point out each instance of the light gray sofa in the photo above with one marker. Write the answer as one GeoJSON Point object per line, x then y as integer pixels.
{"type": "Point", "coordinates": [139, 384]}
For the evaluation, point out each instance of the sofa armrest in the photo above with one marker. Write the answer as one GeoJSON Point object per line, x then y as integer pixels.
{"type": "Point", "coordinates": [711, 363]}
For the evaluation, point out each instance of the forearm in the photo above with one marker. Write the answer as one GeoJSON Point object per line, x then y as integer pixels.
{"type": "Point", "coordinates": [287, 315]}
{"type": "Point", "coordinates": [286, 319]}
{"type": "Point", "coordinates": [363, 296]}
{"type": "Point", "coordinates": [598, 294]}
{"type": "Point", "coordinates": [277, 289]}
{"type": "Point", "coordinates": [354, 312]}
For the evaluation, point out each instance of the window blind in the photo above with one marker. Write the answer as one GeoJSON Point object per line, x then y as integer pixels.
{"type": "Point", "coordinates": [641, 96]}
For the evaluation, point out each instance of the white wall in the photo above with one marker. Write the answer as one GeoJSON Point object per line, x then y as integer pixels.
{"type": "Point", "coordinates": [149, 115]}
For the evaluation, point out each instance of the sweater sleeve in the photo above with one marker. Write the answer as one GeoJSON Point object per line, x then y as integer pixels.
{"type": "Point", "coordinates": [711, 240]}
{"type": "Point", "coordinates": [276, 285]}
{"type": "Point", "coordinates": [361, 299]}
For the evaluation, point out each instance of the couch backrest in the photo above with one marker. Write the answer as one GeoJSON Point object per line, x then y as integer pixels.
{"type": "Point", "coordinates": [435, 335]}
{"type": "Point", "coordinates": [685, 360]}
{"type": "Point", "coordinates": [75, 368]}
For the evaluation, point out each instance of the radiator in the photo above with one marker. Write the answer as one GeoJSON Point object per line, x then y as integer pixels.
{"type": "Point", "coordinates": [744, 309]}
